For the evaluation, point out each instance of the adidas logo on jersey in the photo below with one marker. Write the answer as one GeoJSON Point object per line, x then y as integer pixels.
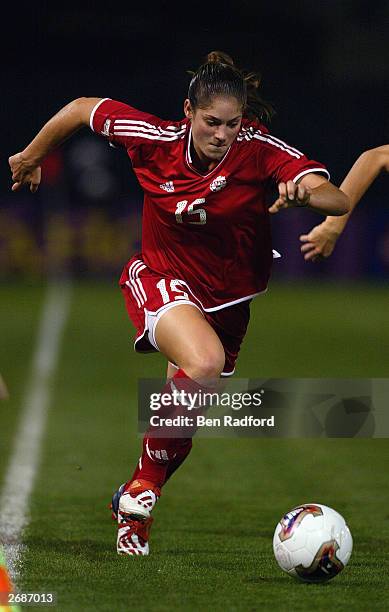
{"type": "Point", "coordinates": [169, 186]}
{"type": "Point", "coordinates": [219, 183]}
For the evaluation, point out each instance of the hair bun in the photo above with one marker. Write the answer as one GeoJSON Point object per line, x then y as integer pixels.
{"type": "Point", "coordinates": [219, 57]}
{"type": "Point", "coordinates": [218, 76]}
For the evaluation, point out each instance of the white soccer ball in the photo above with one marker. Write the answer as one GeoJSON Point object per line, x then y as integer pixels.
{"type": "Point", "coordinates": [312, 542]}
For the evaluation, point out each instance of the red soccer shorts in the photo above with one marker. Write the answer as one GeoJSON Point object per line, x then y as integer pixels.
{"type": "Point", "coordinates": [149, 295]}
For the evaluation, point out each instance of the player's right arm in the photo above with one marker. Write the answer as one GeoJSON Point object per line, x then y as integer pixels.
{"type": "Point", "coordinates": [321, 240]}
{"type": "Point", "coordinates": [25, 165]}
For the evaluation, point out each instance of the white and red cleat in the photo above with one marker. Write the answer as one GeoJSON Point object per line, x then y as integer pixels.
{"type": "Point", "coordinates": [131, 507]}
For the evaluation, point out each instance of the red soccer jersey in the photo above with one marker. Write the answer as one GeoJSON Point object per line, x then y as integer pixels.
{"type": "Point", "coordinates": [211, 231]}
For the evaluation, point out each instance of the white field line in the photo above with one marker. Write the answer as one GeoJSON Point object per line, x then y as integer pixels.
{"type": "Point", "coordinates": [25, 457]}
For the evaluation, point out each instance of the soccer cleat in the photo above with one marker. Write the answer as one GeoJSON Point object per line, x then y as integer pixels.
{"type": "Point", "coordinates": [133, 537]}
{"type": "Point", "coordinates": [131, 507]}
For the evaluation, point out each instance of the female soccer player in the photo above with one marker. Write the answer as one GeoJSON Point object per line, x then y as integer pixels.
{"type": "Point", "coordinates": [321, 240]}
{"type": "Point", "coordinates": [206, 248]}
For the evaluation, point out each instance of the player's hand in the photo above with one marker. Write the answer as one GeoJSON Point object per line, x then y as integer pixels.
{"type": "Point", "coordinates": [24, 173]}
{"type": "Point", "coordinates": [291, 195]}
{"type": "Point", "coordinates": [319, 243]}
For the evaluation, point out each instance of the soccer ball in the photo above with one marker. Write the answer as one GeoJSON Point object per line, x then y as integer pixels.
{"type": "Point", "coordinates": [312, 542]}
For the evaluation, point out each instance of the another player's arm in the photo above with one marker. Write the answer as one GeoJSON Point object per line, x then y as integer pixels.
{"type": "Point", "coordinates": [320, 241]}
{"type": "Point", "coordinates": [314, 192]}
{"type": "Point", "coordinates": [25, 165]}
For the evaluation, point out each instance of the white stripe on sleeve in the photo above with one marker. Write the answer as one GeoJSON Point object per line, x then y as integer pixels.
{"type": "Point", "coordinates": [94, 110]}
{"type": "Point", "coordinates": [314, 170]}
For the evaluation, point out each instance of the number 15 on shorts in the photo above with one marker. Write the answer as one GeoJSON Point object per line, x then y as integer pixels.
{"type": "Point", "coordinates": [174, 288]}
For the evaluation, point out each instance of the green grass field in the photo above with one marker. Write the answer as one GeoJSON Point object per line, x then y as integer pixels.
{"type": "Point", "coordinates": [211, 545]}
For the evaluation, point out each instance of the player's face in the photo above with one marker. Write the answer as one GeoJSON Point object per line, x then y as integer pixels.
{"type": "Point", "coordinates": [215, 127]}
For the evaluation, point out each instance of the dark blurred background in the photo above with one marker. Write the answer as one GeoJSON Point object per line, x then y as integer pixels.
{"type": "Point", "coordinates": [324, 67]}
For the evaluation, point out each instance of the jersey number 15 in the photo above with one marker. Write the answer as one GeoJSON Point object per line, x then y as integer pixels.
{"type": "Point", "coordinates": [183, 208]}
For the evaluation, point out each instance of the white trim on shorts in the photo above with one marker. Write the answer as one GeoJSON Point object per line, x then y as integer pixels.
{"type": "Point", "coordinates": [152, 319]}
{"type": "Point", "coordinates": [244, 299]}
{"type": "Point", "coordinates": [151, 324]}
{"type": "Point", "coordinates": [221, 306]}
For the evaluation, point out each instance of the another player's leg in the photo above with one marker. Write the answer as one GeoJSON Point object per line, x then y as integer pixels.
{"type": "Point", "coordinates": [185, 338]}
{"type": "Point", "coordinates": [3, 389]}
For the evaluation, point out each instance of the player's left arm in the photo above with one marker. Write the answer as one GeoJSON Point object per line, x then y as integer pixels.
{"type": "Point", "coordinates": [320, 241]}
{"type": "Point", "coordinates": [314, 192]}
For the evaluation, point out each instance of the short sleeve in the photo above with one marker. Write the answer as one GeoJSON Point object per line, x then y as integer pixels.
{"type": "Point", "coordinates": [281, 162]}
{"type": "Point", "coordinates": [128, 127]}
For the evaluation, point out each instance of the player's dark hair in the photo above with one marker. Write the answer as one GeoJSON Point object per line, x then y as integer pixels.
{"type": "Point", "coordinates": [218, 76]}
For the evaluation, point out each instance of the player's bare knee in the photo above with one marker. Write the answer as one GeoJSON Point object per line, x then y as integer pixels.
{"type": "Point", "coordinates": [205, 364]}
